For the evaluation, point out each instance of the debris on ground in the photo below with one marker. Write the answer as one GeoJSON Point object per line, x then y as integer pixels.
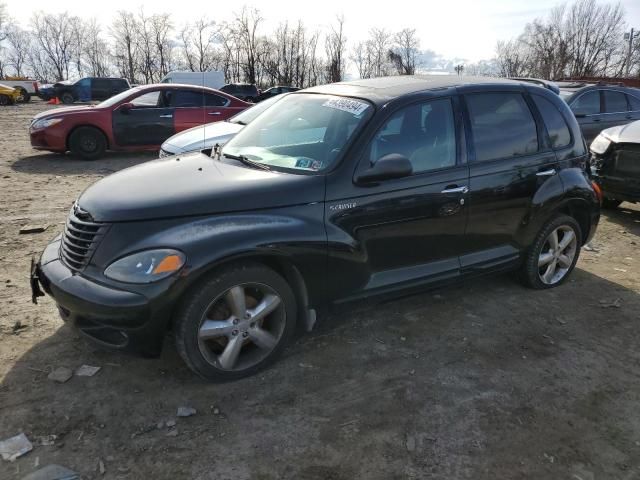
{"type": "Point", "coordinates": [60, 374]}
{"type": "Point", "coordinates": [101, 467]}
{"type": "Point", "coordinates": [186, 411]}
{"type": "Point", "coordinates": [216, 411]}
{"type": "Point", "coordinates": [591, 248]}
{"type": "Point", "coordinates": [48, 440]}
{"type": "Point", "coordinates": [170, 423]}
{"type": "Point", "coordinates": [18, 327]}
{"type": "Point", "coordinates": [617, 303]}
{"type": "Point", "coordinates": [410, 443]}
{"type": "Point", "coordinates": [33, 229]}
{"type": "Point", "coordinates": [15, 447]}
{"type": "Point", "coordinates": [86, 371]}
{"type": "Point", "coordinates": [172, 433]}
{"type": "Point", "coordinates": [53, 472]}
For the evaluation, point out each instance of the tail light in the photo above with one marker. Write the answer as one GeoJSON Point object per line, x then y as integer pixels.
{"type": "Point", "coordinates": [598, 190]}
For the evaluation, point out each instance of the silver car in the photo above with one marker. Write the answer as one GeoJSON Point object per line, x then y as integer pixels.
{"type": "Point", "coordinates": [206, 136]}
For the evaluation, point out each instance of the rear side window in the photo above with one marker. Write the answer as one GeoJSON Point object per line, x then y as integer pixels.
{"type": "Point", "coordinates": [634, 103]}
{"type": "Point", "coordinates": [556, 125]}
{"type": "Point", "coordinates": [187, 98]}
{"type": "Point", "coordinates": [587, 103]}
{"type": "Point", "coordinates": [615, 102]}
{"type": "Point", "coordinates": [502, 126]}
{"type": "Point", "coordinates": [211, 100]}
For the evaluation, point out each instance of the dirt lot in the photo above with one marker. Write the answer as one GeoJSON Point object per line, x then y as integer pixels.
{"type": "Point", "coordinates": [484, 380]}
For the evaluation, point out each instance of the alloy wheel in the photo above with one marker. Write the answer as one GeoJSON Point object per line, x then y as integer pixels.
{"type": "Point", "coordinates": [557, 255]}
{"type": "Point", "coordinates": [241, 327]}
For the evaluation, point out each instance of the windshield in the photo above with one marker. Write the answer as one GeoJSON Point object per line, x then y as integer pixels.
{"type": "Point", "coordinates": [110, 102]}
{"type": "Point", "coordinates": [564, 94]}
{"type": "Point", "coordinates": [247, 116]}
{"type": "Point", "coordinates": [303, 132]}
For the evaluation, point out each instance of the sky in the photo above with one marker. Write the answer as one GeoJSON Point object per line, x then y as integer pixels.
{"type": "Point", "coordinates": [460, 29]}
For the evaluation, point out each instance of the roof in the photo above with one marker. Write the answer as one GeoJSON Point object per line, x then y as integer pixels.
{"type": "Point", "coordinates": [383, 89]}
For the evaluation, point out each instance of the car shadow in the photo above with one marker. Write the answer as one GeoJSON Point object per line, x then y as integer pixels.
{"type": "Point", "coordinates": [479, 380]}
{"type": "Point", "coordinates": [63, 164]}
{"type": "Point", "coordinates": [627, 215]}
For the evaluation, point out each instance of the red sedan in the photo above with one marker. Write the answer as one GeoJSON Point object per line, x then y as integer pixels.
{"type": "Point", "coordinates": [139, 119]}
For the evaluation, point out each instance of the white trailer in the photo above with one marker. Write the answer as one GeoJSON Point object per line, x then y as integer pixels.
{"type": "Point", "coordinates": [212, 79]}
{"type": "Point", "coordinates": [28, 88]}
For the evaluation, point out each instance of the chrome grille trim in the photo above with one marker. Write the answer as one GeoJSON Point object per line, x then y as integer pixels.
{"type": "Point", "coordinates": [80, 240]}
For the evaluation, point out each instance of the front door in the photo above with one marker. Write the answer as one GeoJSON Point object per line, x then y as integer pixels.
{"type": "Point", "coordinates": [508, 163]}
{"type": "Point", "coordinates": [406, 231]}
{"type": "Point", "coordinates": [145, 121]}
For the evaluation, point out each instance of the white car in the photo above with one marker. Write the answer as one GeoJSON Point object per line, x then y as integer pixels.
{"type": "Point", "coordinates": [205, 137]}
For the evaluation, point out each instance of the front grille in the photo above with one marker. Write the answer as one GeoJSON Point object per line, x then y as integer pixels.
{"type": "Point", "coordinates": [80, 240]}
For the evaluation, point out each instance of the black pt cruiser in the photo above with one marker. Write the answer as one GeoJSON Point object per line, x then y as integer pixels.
{"type": "Point", "coordinates": [335, 193]}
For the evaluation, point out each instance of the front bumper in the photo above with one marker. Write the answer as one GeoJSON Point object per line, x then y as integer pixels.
{"type": "Point", "coordinates": [114, 318]}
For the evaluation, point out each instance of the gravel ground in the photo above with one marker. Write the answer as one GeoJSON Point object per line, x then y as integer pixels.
{"type": "Point", "coordinates": [483, 380]}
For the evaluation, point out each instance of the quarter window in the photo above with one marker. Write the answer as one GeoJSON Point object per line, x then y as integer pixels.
{"type": "Point", "coordinates": [587, 104]}
{"type": "Point", "coordinates": [634, 103]}
{"type": "Point", "coordinates": [615, 102]}
{"type": "Point", "coordinates": [502, 126]}
{"type": "Point", "coordinates": [424, 133]}
{"type": "Point", "coordinates": [556, 125]}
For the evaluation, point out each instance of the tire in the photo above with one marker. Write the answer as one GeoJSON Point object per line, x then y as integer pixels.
{"type": "Point", "coordinates": [87, 143]}
{"type": "Point", "coordinates": [538, 275]}
{"type": "Point", "coordinates": [26, 97]}
{"type": "Point", "coordinates": [207, 351]}
{"type": "Point", "coordinates": [5, 100]}
{"type": "Point", "coordinates": [610, 203]}
{"type": "Point", "coordinates": [67, 98]}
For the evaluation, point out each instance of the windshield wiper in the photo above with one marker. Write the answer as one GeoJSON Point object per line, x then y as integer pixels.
{"type": "Point", "coordinates": [240, 122]}
{"type": "Point", "coordinates": [246, 161]}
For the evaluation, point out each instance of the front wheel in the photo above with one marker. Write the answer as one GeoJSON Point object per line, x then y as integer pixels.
{"type": "Point", "coordinates": [236, 322]}
{"type": "Point", "coordinates": [87, 143]}
{"type": "Point", "coordinates": [67, 98]}
{"type": "Point", "coordinates": [26, 97]}
{"type": "Point", "coordinates": [553, 254]}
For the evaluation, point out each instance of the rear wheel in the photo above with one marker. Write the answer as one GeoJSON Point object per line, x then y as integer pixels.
{"type": "Point", "coordinates": [610, 203]}
{"type": "Point", "coordinates": [25, 96]}
{"type": "Point", "coordinates": [236, 322]}
{"type": "Point", "coordinates": [87, 143]}
{"type": "Point", "coordinates": [67, 98]}
{"type": "Point", "coordinates": [554, 253]}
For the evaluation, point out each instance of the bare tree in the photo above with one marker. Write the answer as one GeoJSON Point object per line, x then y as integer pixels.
{"type": "Point", "coordinates": [335, 46]}
{"type": "Point", "coordinates": [19, 45]}
{"type": "Point", "coordinates": [404, 51]}
{"type": "Point", "coordinates": [55, 38]}
{"type": "Point", "coordinates": [198, 45]}
{"type": "Point", "coordinates": [161, 28]}
{"type": "Point", "coordinates": [245, 27]}
{"type": "Point", "coordinates": [124, 32]}
{"type": "Point", "coordinates": [96, 52]}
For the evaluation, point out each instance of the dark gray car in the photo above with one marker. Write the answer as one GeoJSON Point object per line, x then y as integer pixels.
{"type": "Point", "coordinates": [601, 106]}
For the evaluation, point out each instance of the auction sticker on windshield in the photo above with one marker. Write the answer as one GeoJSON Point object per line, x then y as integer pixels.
{"type": "Point", "coordinates": [354, 107]}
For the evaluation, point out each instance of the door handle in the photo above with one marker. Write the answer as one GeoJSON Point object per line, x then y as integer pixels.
{"type": "Point", "coordinates": [546, 173]}
{"type": "Point", "coordinates": [166, 116]}
{"type": "Point", "coordinates": [462, 190]}
{"type": "Point", "coordinates": [214, 113]}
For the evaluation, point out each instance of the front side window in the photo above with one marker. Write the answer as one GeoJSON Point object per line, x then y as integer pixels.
{"type": "Point", "coordinates": [615, 102]}
{"type": "Point", "coordinates": [422, 132]}
{"type": "Point", "coordinates": [587, 103]}
{"type": "Point", "coordinates": [502, 126]}
{"type": "Point", "coordinates": [556, 125]}
{"type": "Point", "coordinates": [301, 132]}
{"type": "Point", "coordinates": [147, 100]}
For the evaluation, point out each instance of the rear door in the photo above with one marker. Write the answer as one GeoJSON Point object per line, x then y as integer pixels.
{"type": "Point", "coordinates": [634, 107]}
{"type": "Point", "coordinates": [148, 122]}
{"type": "Point", "coordinates": [508, 162]}
{"type": "Point", "coordinates": [616, 109]}
{"type": "Point", "coordinates": [587, 109]}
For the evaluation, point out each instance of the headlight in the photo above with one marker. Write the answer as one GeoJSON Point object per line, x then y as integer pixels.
{"type": "Point", "coordinates": [45, 123]}
{"type": "Point", "coordinates": [146, 267]}
{"type": "Point", "coordinates": [600, 144]}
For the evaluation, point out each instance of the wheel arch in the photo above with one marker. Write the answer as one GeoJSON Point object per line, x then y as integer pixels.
{"type": "Point", "coordinates": [281, 264]}
{"type": "Point", "coordinates": [579, 210]}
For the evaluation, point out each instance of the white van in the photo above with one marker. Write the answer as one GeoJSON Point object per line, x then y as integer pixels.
{"type": "Point", "coordinates": [213, 79]}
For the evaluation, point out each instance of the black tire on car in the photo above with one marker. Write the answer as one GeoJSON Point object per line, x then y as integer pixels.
{"type": "Point", "coordinates": [554, 253]}
{"type": "Point", "coordinates": [5, 100]}
{"type": "Point", "coordinates": [610, 203]}
{"type": "Point", "coordinates": [67, 98]}
{"type": "Point", "coordinates": [87, 143]}
{"type": "Point", "coordinates": [26, 98]}
{"type": "Point", "coordinates": [235, 322]}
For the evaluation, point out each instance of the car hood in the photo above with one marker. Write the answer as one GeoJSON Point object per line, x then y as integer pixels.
{"type": "Point", "coordinates": [61, 111]}
{"type": "Point", "coordinates": [629, 133]}
{"type": "Point", "coordinates": [201, 137]}
{"type": "Point", "coordinates": [194, 184]}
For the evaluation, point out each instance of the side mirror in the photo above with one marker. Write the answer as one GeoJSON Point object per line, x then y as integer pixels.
{"type": "Point", "coordinates": [126, 108]}
{"type": "Point", "coordinates": [388, 167]}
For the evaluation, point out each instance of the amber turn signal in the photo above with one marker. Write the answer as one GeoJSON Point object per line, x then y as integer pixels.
{"type": "Point", "coordinates": [170, 263]}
